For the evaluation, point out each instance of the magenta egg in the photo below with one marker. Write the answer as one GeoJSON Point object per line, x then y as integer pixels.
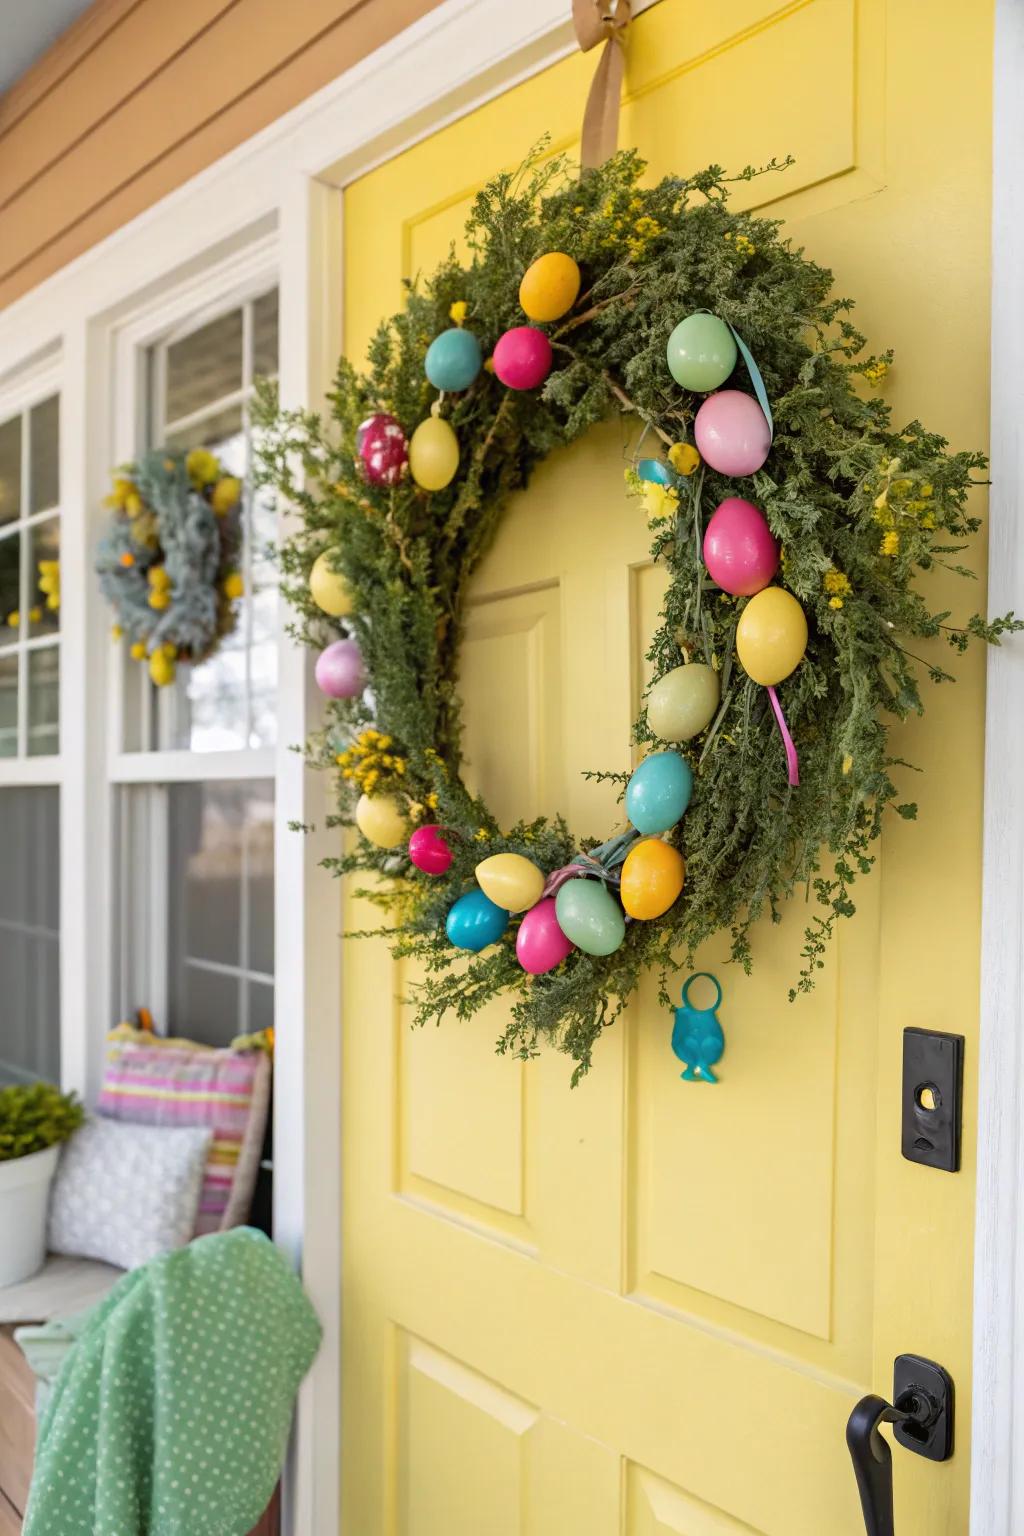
{"type": "Point", "coordinates": [522, 358]}
{"type": "Point", "coordinates": [540, 942]}
{"type": "Point", "coordinates": [382, 452]}
{"type": "Point", "coordinates": [339, 670]}
{"type": "Point", "coordinates": [740, 551]}
{"type": "Point", "coordinates": [429, 851]}
{"type": "Point", "coordinates": [732, 433]}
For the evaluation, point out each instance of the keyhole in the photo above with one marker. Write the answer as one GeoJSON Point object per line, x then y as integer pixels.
{"type": "Point", "coordinates": [928, 1097]}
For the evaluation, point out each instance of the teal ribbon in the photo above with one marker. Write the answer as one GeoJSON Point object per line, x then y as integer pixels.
{"type": "Point", "coordinates": [755, 376]}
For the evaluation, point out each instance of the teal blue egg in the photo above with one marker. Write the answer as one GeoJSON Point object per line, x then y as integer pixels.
{"type": "Point", "coordinates": [474, 922]}
{"type": "Point", "coordinates": [701, 352]}
{"type": "Point", "coordinates": [453, 359]}
{"type": "Point", "coordinates": [659, 792]}
{"type": "Point", "coordinates": [590, 917]}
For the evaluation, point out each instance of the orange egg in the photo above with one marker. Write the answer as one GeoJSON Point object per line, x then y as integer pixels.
{"type": "Point", "coordinates": [652, 878]}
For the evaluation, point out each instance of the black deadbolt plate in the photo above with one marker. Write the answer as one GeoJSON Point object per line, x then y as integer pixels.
{"type": "Point", "coordinates": [933, 1073]}
{"type": "Point", "coordinates": [931, 1386]}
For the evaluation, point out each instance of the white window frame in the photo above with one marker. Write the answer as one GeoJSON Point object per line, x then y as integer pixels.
{"type": "Point", "coordinates": [284, 187]}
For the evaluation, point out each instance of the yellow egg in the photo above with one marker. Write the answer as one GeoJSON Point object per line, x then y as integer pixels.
{"type": "Point", "coordinates": [225, 495]}
{"type": "Point", "coordinates": [433, 454]}
{"type": "Point", "coordinates": [161, 669]}
{"type": "Point", "coordinates": [652, 878]}
{"type": "Point", "coordinates": [510, 881]}
{"type": "Point", "coordinates": [771, 636]}
{"type": "Point", "coordinates": [381, 820]}
{"type": "Point", "coordinates": [549, 287]}
{"type": "Point", "coordinates": [328, 589]}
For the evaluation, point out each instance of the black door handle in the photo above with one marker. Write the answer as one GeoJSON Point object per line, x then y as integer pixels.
{"type": "Point", "coordinates": [922, 1416]}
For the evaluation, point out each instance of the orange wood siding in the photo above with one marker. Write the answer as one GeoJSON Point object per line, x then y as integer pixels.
{"type": "Point", "coordinates": [139, 95]}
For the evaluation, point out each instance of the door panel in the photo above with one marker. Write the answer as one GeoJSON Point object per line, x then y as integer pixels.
{"type": "Point", "coordinates": [647, 1306]}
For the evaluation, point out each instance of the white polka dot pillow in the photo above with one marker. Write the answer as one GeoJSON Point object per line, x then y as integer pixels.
{"type": "Point", "coordinates": [126, 1193]}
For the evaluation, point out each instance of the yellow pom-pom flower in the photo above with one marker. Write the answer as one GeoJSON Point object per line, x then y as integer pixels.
{"type": "Point", "coordinates": [225, 495]}
{"type": "Point", "coordinates": [158, 578]}
{"type": "Point", "coordinates": [159, 600]}
{"type": "Point", "coordinates": [458, 311]}
{"type": "Point", "coordinates": [890, 544]}
{"type": "Point", "coordinates": [202, 467]}
{"type": "Point", "coordinates": [233, 586]}
{"type": "Point", "coordinates": [116, 632]}
{"type": "Point", "coordinates": [161, 668]}
{"type": "Point", "coordinates": [138, 651]}
{"type": "Point", "coordinates": [14, 619]}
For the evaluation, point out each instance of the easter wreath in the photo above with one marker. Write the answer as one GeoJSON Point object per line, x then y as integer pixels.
{"type": "Point", "coordinates": [799, 572]}
{"type": "Point", "coordinates": [168, 563]}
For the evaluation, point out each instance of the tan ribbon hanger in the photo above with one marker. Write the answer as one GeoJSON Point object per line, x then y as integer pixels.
{"type": "Point", "coordinates": [602, 21]}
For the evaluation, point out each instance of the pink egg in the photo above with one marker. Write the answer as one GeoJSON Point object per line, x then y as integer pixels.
{"type": "Point", "coordinates": [429, 851]}
{"type": "Point", "coordinates": [522, 358]}
{"type": "Point", "coordinates": [540, 942]}
{"type": "Point", "coordinates": [381, 449]}
{"type": "Point", "coordinates": [739, 549]}
{"type": "Point", "coordinates": [732, 433]}
{"type": "Point", "coordinates": [339, 670]}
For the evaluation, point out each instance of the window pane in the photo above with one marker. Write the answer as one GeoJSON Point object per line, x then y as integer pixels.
{"type": "Point", "coordinates": [206, 872]}
{"type": "Point", "coordinates": [261, 1007]}
{"type": "Point", "coordinates": [264, 334]}
{"type": "Point", "coordinates": [44, 455]}
{"type": "Point", "coordinates": [204, 367]}
{"type": "Point", "coordinates": [29, 934]}
{"type": "Point", "coordinates": [10, 470]}
{"type": "Point", "coordinates": [44, 701]}
{"type": "Point", "coordinates": [8, 708]}
{"type": "Point", "coordinates": [205, 1006]}
{"type": "Point", "coordinates": [10, 587]}
{"type": "Point", "coordinates": [221, 432]}
{"type": "Point", "coordinates": [44, 571]}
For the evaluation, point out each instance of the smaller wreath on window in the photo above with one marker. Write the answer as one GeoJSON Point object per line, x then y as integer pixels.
{"type": "Point", "coordinates": [169, 564]}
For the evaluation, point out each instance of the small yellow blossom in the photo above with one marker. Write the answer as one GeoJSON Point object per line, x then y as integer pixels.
{"type": "Point", "coordinates": [233, 585]}
{"type": "Point", "coordinates": [890, 543]}
{"type": "Point", "coordinates": [480, 835]}
{"type": "Point", "coordinates": [159, 600]}
{"type": "Point", "coordinates": [138, 651]}
{"type": "Point", "coordinates": [835, 602]}
{"type": "Point", "coordinates": [847, 764]}
{"type": "Point", "coordinates": [202, 467]}
{"type": "Point", "coordinates": [579, 208]}
{"type": "Point", "coordinates": [432, 800]}
{"type": "Point", "coordinates": [14, 619]}
{"type": "Point", "coordinates": [489, 365]}
{"type": "Point", "coordinates": [684, 458]}
{"type": "Point", "coordinates": [744, 246]}
{"type": "Point", "coordinates": [458, 311]}
{"type": "Point", "coordinates": [927, 489]}
{"type": "Point", "coordinates": [116, 632]}
{"type": "Point", "coordinates": [415, 810]}
{"type": "Point", "coordinates": [876, 372]}
{"type": "Point", "coordinates": [836, 583]}
{"type": "Point", "coordinates": [928, 521]}
{"type": "Point", "coordinates": [660, 501]}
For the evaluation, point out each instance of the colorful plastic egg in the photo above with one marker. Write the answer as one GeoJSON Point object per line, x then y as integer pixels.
{"type": "Point", "coordinates": [590, 917]}
{"type": "Point", "coordinates": [658, 792]}
{"type": "Point", "coordinates": [328, 589]}
{"type": "Point", "coordinates": [339, 671]}
{"type": "Point", "coordinates": [652, 878]}
{"type": "Point", "coordinates": [522, 357]}
{"type": "Point", "coordinates": [701, 352]}
{"type": "Point", "coordinates": [474, 922]}
{"type": "Point", "coordinates": [683, 702]}
{"type": "Point", "coordinates": [771, 636]}
{"type": "Point", "coordinates": [433, 454]}
{"type": "Point", "coordinates": [429, 851]}
{"type": "Point", "coordinates": [512, 881]}
{"type": "Point", "coordinates": [740, 551]}
{"type": "Point", "coordinates": [381, 449]}
{"type": "Point", "coordinates": [381, 820]}
{"type": "Point", "coordinates": [732, 433]}
{"type": "Point", "coordinates": [453, 359]}
{"type": "Point", "coordinates": [540, 942]}
{"type": "Point", "coordinates": [549, 287]}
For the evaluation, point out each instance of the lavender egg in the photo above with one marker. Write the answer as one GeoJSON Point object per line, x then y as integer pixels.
{"type": "Point", "coordinates": [339, 670]}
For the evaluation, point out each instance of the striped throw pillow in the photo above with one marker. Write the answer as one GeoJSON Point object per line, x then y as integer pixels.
{"type": "Point", "coordinates": [163, 1080]}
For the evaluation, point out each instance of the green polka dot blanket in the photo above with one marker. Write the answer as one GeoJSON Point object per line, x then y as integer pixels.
{"type": "Point", "coordinates": [171, 1415]}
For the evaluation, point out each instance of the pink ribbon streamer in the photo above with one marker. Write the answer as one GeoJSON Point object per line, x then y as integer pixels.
{"type": "Point", "coordinates": [792, 761]}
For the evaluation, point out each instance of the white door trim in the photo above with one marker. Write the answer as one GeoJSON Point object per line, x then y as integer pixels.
{"type": "Point", "coordinates": [459, 55]}
{"type": "Point", "coordinates": [997, 1487]}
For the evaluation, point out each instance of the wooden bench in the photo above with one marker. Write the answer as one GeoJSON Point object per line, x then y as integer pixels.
{"type": "Point", "coordinates": [18, 1441]}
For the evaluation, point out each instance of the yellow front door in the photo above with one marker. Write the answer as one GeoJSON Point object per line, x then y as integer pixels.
{"type": "Point", "coordinates": [647, 1306]}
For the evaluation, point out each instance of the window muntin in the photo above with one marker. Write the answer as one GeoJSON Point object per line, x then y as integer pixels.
{"type": "Point", "coordinates": [30, 581]}
{"type": "Point", "coordinates": [30, 933]}
{"type": "Point", "coordinates": [201, 387]}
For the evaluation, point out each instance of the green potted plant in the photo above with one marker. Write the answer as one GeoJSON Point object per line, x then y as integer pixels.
{"type": "Point", "coordinates": [34, 1119]}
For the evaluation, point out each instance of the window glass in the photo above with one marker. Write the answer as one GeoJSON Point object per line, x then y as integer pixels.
{"type": "Point", "coordinates": [10, 470]}
{"type": "Point", "coordinates": [30, 582]}
{"type": "Point", "coordinates": [201, 388]}
{"type": "Point", "coordinates": [30, 932]}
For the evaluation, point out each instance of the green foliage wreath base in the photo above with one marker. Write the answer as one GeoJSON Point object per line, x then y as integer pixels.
{"type": "Point", "coordinates": [839, 480]}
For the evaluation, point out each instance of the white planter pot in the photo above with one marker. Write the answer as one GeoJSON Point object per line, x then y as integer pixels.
{"type": "Point", "coordinates": [24, 1194]}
